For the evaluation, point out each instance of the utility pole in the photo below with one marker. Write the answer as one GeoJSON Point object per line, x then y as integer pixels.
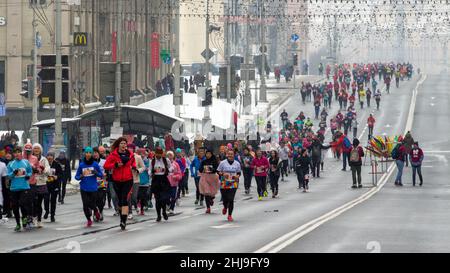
{"type": "Point", "coordinates": [207, 45]}
{"type": "Point", "coordinates": [247, 94]}
{"type": "Point", "coordinates": [228, 53]}
{"type": "Point", "coordinates": [118, 86]}
{"type": "Point", "coordinates": [34, 131]}
{"type": "Point", "coordinates": [176, 56]}
{"type": "Point", "coordinates": [262, 88]}
{"type": "Point", "coordinates": [59, 142]}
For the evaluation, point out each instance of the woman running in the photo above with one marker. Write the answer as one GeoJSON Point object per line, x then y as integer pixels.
{"type": "Point", "coordinates": [175, 176]}
{"type": "Point", "coordinates": [229, 171]}
{"type": "Point", "coordinates": [121, 161]}
{"type": "Point", "coordinates": [209, 180]}
{"type": "Point", "coordinates": [100, 199]}
{"type": "Point", "coordinates": [53, 185]}
{"type": "Point", "coordinates": [87, 174]}
{"type": "Point", "coordinates": [159, 171]}
{"type": "Point", "coordinates": [260, 166]}
{"type": "Point", "coordinates": [67, 175]}
{"type": "Point", "coordinates": [274, 172]}
{"type": "Point", "coordinates": [247, 170]}
{"type": "Point", "coordinates": [303, 163]}
{"type": "Point", "coordinates": [42, 171]}
{"type": "Point", "coordinates": [19, 172]}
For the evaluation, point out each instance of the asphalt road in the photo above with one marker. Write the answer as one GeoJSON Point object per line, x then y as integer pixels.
{"type": "Point", "coordinates": [401, 219]}
{"type": "Point", "coordinates": [256, 224]}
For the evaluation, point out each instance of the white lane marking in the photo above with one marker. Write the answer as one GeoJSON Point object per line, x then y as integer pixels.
{"type": "Point", "coordinates": [88, 241]}
{"type": "Point", "coordinates": [287, 239]}
{"type": "Point", "coordinates": [70, 228]}
{"type": "Point", "coordinates": [161, 249]}
{"type": "Point", "coordinates": [225, 226]}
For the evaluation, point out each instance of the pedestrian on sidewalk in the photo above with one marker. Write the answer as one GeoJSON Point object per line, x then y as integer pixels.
{"type": "Point", "coordinates": [19, 172]}
{"type": "Point", "coordinates": [229, 171]}
{"type": "Point", "coordinates": [87, 173]}
{"type": "Point", "coordinates": [260, 167]}
{"type": "Point", "coordinates": [355, 162]}
{"type": "Point", "coordinates": [416, 156]}
{"type": "Point", "coordinates": [209, 180]}
{"type": "Point", "coordinates": [121, 162]}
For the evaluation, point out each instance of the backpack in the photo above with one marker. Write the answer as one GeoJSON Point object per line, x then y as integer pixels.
{"type": "Point", "coordinates": [354, 155]}
{"type": "Point", "coordinates": [347, 143]}
{"type": "Point", "coordinates": [395, 152]}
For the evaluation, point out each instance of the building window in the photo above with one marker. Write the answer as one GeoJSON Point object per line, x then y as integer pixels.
{"type": "Point", "coordinates": [2, 77]}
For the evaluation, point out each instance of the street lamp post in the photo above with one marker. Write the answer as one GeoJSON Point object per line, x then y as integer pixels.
{"type": "Point", "coordinates": [262, 88]}
{"type": "Point", "coordinates": [34, 131]}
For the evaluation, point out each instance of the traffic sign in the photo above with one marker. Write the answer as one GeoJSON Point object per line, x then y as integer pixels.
{"type": "Point", "coordinates": [210, 54]}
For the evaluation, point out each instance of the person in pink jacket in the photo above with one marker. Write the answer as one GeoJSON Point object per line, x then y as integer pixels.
{"type": "Point", "coordinates": [260, 166]}
{"type": "Point", "coordinates": [174, 177]}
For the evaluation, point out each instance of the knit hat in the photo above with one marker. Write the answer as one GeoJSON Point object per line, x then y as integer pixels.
{"type": "Point", "coordinates": [28, 147]}
{"type": "Point", "coordinates": [39, 146]}
{"type": "Point", "coordinates": [52, 154]}
{"type": "Point", "coordinates": [88, 150]}
{"type": "Point", "coordinates": [178, 150]}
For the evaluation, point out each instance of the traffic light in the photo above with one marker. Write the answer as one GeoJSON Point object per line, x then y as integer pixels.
{"type": "Point", "coordinates": [47, 77]}
{"type": "Point", "coordinates": [208, 97]}
{"type": "Point", "coordinates": [295, 59]}
{"type": "Point", "coordinates": [27, 89]}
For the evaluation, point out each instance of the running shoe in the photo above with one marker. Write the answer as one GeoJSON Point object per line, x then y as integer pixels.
{"type": "Point", "coordinates": [89, 223]}
{"type": "Point", "coordinates": [158, 219]}
{"type": "Point", "coordinates": [266, 194]}
{"type": "Point", "coordinates": [165, 216]}
{"type": "Point", "coordinates": [24, 222]}
{"type": "Point", "coordinates": [101, 217]}
{"type": "Point", "coordinates": [17, 228]}
{"type": "Point", "coordinates": [130, 216]}
{"type": "Point", "coordinates": [142, 213]}
{"type": "Point", "coordinates": [196, 201]}
{"type": "Point", "coordinates": [46, 215]}
{"type": "Point", "coordinates": [208, 210]}
{"type": "Point", "coordinates": [123, 225]}
{"type": "Point", "coordinates": [224, 211]}
{"type": "Point", "coordinates": [212, 203]}
{"type": "Point", "coordinates": [260, 198]}
{"type": "Point", "coordinates": [97, 216]}
{"type": "Point", "coordinates": [230, 219]}
{"type": "Point", "coordinates": [360, 186]}
{"type": "Point", "coordinates": [52, 219]}
{"type": "Point", "coordinates": [354, 187]}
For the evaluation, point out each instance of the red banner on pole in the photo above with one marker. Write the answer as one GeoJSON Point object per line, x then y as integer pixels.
{"type": "Point", "coordinates": [155, 50]}
{"type": "Point", "coordinates": [114, 47]}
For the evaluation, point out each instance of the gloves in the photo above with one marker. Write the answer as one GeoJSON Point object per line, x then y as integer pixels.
{"type": "Point", "coordinates": [16, 172]}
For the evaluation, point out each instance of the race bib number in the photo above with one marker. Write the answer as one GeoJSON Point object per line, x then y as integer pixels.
{"type": "Point", "coordinates": [208, 168]}
{"type": "Point", "coordinates": [259, 169]}
{"type": "Point", "coordinates": [21, 172]}
{"type": "Point", "coordinates": [89, 171]}
{"type": "Point", "coordinates": [159, 171]}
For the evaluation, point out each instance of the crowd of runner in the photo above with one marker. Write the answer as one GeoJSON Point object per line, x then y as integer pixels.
{"type": "Point", "coordinates": [132, 179]}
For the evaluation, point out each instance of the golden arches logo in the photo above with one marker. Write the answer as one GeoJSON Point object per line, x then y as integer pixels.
{"type": "Point", "coordinates": [80, 39]}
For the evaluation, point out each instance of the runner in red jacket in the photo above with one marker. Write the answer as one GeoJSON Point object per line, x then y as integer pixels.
{"type": "Point", "coordinates": [122, 163]}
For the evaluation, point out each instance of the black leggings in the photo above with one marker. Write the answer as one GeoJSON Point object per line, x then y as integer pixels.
{"type": "Point", "coordinates": [261, 184]}
{"type": "Point", "coordinates": [50, 200]}
{"type": "Point", "coordinates": [228, 199]}
{"type": "Point", "coordinates": [62, 191]}
{"type": "Point", "coordinates": [100, 200]}
{"type": "Point", "coordinates": [89, 203]}
{"type": "Point", "coordinates": [209, 201]}
{"type": "Point", "coordinates": [123, 190]}
{"type": "Point", "coordinates": [247, 178]}
{"type": "Point", "coordinates": [274, 182]}
{"type": "Point", "coordinates": [198, 195]}
{"type": "Point", "coordinates": [302, 182]}
{"type": "Point", "coordinates": [21, 202]}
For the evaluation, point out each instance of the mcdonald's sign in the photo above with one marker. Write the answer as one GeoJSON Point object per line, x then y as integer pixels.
{"type": "Point", "coordinates": [80, 38]}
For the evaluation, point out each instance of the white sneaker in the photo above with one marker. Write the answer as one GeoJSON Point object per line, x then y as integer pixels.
{"type": "Point", "coordinates": [130, 216]}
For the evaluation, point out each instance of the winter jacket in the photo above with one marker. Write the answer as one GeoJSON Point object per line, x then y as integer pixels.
{"type": "Point", "coordinates": [87, 174]}
{"type": "Point", "coordinates": [302, 164]}
{"type": "Point", "coordinates": [140, 167]}
{"type": "Point", "coordinates": [195, 166]}
{"type": "Point", "coordinates": [260, 166]}
{"type": "Point", "coordinates": [175, 175]}
{"type": "Point", "coordinates": [275, 166]}
{"type": "Point", "coordinates": [19, 181]}
{"type": "Point", "coordinates": [42, 172]}
{"type": "Point", "coordinates": [144, 178]}
{"type": "Point", "coordinates": [124, 173]}
{"type": "Point", "coordinates": [416, 157]}
{"type": "Point", "coordinates": [34, 165]}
